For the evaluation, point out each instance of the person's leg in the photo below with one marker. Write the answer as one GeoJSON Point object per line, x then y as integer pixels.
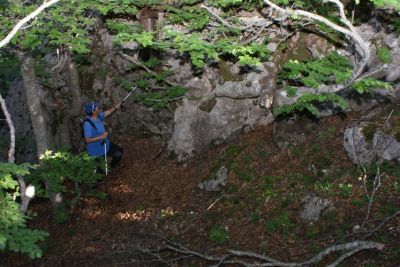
{"type": "Point", "coordinates": [116, 153]}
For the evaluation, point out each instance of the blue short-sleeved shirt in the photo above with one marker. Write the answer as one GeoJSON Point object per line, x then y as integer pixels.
{"type": "Point", "coordinates": [96, 149]}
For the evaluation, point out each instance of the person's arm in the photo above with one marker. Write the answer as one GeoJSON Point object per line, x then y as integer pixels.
{"type": "Point", "coordinates": [97, 138]}
{"type": "Point", "coordinates": [108, 112]}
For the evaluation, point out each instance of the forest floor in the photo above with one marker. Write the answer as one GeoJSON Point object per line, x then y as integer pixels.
{"type": "Point", "coordinates": [151, 195]}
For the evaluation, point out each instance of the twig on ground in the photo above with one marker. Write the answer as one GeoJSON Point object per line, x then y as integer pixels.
{"type": "Point", "coordinates": [221, 197]}
{"type": "Point", "coordinates": [387, 219]}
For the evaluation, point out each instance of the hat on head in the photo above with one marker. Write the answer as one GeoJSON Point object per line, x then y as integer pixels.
{"type": "Point", "coordinates": [90, 107]}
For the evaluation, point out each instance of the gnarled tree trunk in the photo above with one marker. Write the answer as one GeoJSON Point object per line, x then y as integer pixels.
{"type": "Point", "coordinates": [36, 111]}
{"type": "Point", "coordinates": [43, 138]}
{"type": "Point", "coordinates": [75, 109]}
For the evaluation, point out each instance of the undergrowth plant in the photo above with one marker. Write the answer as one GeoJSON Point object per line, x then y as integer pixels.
{"type": "Point", "coordinates": [279, 223]}
{"type": "Point", "coordinates": [307, 103]}
{"type": "Point", "coordinates": [191, 16]}
{"type": "Point", "coordinates": [384, 55]}
{"type": "Point", "coordinates": [14, 232]}
{"type": "Point", "coordinates": [329, 70]}
{"type": "Point", "coordinates": [58, 168]}
{"type": "Point", "coordinates": [218, 234]}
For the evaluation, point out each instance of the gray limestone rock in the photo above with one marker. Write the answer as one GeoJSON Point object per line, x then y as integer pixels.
{"type": "Point", "coordinates": [230, 109]}
{"type": "Point", "coordinates": [313, 207]}
{"type": "Point", "coordinates": [362, 151]}
{"type": "Point", "coordinates": [217, 183]}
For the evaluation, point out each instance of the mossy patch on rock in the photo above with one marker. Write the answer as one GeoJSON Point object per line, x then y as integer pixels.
{"type": "Point", "coordinates": [226, 72]}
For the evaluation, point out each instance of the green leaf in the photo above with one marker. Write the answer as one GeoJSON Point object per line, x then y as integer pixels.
{"type": "Point", "coordinates": [3, 241]}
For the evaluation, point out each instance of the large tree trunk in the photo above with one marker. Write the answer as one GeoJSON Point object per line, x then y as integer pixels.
{"type": "Point", "coordinates": [41, 131]}
{"type": "Point", "coordinates": [64, 119]}
{"type": "Point", "coordinates": [75, 109]}
{"type": "Point", "coordinates": [74, 85]}
{"type": "Point", "coordinates": [36, 111]}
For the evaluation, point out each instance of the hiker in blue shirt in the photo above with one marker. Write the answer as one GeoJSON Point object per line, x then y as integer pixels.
{"type": "Point", "coordinates": [96, 136]}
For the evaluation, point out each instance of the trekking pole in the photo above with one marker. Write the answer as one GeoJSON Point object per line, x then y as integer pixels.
{"type": "Point", "coordinates": [126, 97]}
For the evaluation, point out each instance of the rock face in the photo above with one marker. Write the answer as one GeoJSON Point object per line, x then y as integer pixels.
{"type": "Point", "coordinates": [361, 151]}
{"type": "Point", "coordinates": [18, 108]}
{"type": "Point", "coordinates": [230, 108]}
{"type": "Point", "coordinates": [313, 207]}
{"type": "Point", "coordinates": [382, 39]}
{"type": "Point", "coordinates": [224, 99]}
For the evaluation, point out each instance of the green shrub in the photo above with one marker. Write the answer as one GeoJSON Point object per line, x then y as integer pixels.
{"type": "Point", "coordinates": [323, 187]}
{"type": "Point", "coordinates": [307, 103]}
{"type": "Point", "coordinates": [368, 85]}
{"type": "Point", "coordinates": [326, 134]}
{"type": "Point", "coordinates": [291, 91]}
{"type": "Point", "coordinates": [279, 223]}
{"type": "Point", "coordinates": [14, 233]}
{"type": "Point", "coordinates": [331, 69]}
{"type": "Point", "coordinates": [384, 55]}
{"type": "Point", "coordinates": [345, 190]}
{"type": "Point", "coordinates": [57, 168]}
{"type": "Point", "coordinates": [218, 234]}
{"type": "Point", "coordinates": [255, 216]}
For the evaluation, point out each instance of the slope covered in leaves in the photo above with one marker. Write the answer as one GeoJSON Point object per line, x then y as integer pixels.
{"type": "Point", "coordinates": [151, 195]}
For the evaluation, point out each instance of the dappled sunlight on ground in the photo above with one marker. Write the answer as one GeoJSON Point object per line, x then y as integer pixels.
{"type": "Point", "coordinates": [94, 214]}
{"type": "Point", "coordinates": [121, 188]}
{"type": "Point", "coordinates": [138, 215]}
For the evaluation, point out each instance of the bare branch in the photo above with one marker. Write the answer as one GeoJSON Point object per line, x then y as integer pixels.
{"type": "Point", "coordinates": [11, 151]}
{"type": "Point", "coordinates": [132, 60]}
{"type": "Point", "coordinates": [344, 256]}
{"type": "Point", "coordinates": [248, 258]}
{"type": "Point", "coordinates": [362, 46]}
{"type": "Point", "coordinates": [220, 19]}
{"type": "Point", "coordinates": [25, 20]}
{"type": "Point", "coordinates": [381, 224]}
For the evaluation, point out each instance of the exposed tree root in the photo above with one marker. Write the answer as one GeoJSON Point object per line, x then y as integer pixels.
{"type": "Point", "coordinates": [248, 258]}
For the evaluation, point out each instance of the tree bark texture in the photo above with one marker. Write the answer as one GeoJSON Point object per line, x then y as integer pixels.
{"type": "Point", "coordinates": [11, 151]}
{"type": "Point", "coordinates": [38, 117]}
{"type": "Point", "coordinates": [36, 111]}
{"type": "Point", "coordinates": [74, 85]}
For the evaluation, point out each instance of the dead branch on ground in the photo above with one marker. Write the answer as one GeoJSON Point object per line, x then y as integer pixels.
{"type": "Point", "coordinates": [248, 258]}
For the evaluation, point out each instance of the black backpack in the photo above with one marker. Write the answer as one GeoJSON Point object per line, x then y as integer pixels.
{"type": "Point", "coordinates": [82, 125]}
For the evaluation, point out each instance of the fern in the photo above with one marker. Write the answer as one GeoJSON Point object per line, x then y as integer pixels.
{"type": "Point", "coordinates": [368, 85]}
{"type": "Point", "coordinates": [306, 103]}
{"type": "Point", "coordinates": [328, 70]}
{"type": "Point", "coordinates": [198, 49]}
{"type": "Point", "coordinates": [384, 55]}
{"type": "Point", "coordinates": [160, 100]}
{"type": "Point", "coordinates": [226, 3]}
{"type": "Point", "coordinates": [291, 91]}
{"type": "Point", "coordinates": [197, 19]}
